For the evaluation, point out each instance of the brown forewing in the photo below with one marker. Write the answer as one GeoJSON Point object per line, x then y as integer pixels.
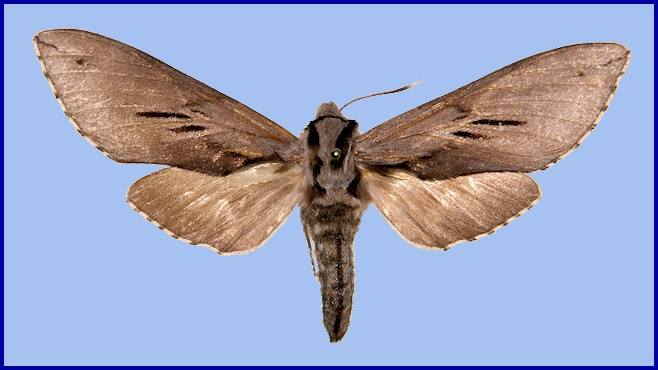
{"type": "Point", "coordinates": [523, 117]}
{"type": "Point", "coordinates": [137, 109]}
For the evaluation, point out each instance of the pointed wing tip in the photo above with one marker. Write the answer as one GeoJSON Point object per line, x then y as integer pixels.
{"type": "Point", "coordinates": [36, 41]}
{"type": "Point", "coordinates": [39, 37]}
{"type": "Point", "coordinates": [622, 47]}
{"type": "Point", "coordinates": [623, 51]}
{"type": "Point", "coordinates": [618, 50]}
{"type": "Point", "coordinates": [44, 69]}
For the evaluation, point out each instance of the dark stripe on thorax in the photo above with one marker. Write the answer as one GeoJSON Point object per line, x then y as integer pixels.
{"type": "Point", "coordinates": [313, 137]}
{"type": "Point", "coordinates": [316, 163]}
{"type": "Point", "coordinates": [343, 143]}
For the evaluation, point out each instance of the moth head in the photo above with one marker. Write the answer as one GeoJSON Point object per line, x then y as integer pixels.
{"type": "Point", "coordinates": [329, 109]}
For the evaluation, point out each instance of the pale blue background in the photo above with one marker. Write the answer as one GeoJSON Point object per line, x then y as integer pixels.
{"type": "Point", "coordinates": [89, 281]}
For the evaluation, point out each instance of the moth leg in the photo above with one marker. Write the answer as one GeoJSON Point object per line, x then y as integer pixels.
{"type": "Point", "coordinates": [310, 252]}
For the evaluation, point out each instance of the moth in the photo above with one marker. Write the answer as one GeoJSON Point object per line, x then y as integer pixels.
{"type": "Point", "coordinates": [448, 171]}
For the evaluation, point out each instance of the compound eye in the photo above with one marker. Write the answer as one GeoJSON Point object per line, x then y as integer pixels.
{"type": "Point", "coordinates": [335, 154]}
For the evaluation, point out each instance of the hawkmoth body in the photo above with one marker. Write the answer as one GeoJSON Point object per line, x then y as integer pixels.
{"type": "Point", "coordinates": [334, 201]}
{"type": "Point", "coordinates": [448, 171]}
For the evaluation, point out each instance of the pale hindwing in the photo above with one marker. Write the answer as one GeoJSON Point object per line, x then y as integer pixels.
{"type": "Point", "coordinates": [440, 213]}
{"type": "Point", "coordinates": [521, 118]}
{"type": "Point", "coordinates": [137, 109]}
{"type": "Point", "coordinates": [233, 214]}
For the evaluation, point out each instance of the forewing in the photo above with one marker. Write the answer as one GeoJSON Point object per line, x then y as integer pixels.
{"type": "Point", "coordinates": [233, 214]}
{"type": "Point", "coordinates": [522, 118]}
{"type": "Point", "coordinates": [439, 213]}
{"type": "Point", "coordinates": [137, 109]}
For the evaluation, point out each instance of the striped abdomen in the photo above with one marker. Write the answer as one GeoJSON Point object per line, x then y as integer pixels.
{"type": "Point", "coordinates": [332, 230]}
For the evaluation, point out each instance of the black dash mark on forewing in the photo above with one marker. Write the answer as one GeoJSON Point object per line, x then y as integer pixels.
{"type": "Point", "coordinates": [469, 135]}
{"type": "Point", "coordinates": [162, 115]}
{"type": "Point", "coordinates": [189, 128]}
{"type": "Point", "coordinates": [495, 122]}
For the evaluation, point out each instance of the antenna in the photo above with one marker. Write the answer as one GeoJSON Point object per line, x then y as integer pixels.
{"type": "Point", "coordinates": [383, 93]}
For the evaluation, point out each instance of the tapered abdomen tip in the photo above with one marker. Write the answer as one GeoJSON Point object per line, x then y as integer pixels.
{"type": "Point", "coordinates": [335, 337]}
{"type": "Point", "coordinates": [337, 321]}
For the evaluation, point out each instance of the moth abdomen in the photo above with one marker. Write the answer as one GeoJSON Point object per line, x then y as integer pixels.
{"type": "Point", "coordinates": [335, 258]}
{"type": "Point", "coordinates": [332, 229]}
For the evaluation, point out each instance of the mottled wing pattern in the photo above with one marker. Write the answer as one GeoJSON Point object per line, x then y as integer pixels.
{"type": "Point", "coordinates": [439, 213]}
{"type": "Point", "coordinates": [233, 214]}
{"type": "Point", "coordinates": [521, 118]}
{"type": "Point", "coordinates": [137, 109]}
